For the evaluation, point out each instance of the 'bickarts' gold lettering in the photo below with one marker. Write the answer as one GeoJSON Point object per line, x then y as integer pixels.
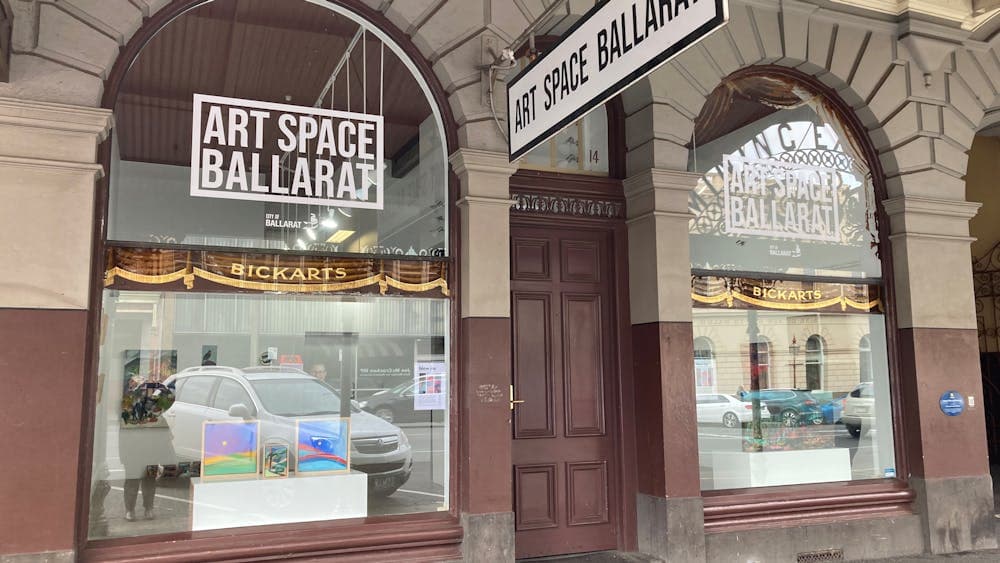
{"type": "Point", "coordinates": [285, 273]}
{"type": "Point", "coordinates": [775, 294]}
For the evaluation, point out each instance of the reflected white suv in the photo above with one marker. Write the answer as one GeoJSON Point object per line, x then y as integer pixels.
{"type": "Point", "coordinates": [859, 409]}
{"type": "Point", "coordinates": [277, 397]}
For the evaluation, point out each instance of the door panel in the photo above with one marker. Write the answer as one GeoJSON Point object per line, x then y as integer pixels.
{"type": "Point", "coordinates": [565, 468]}
{"type": "Point", "coordinates": [533, 358]}
{"type": "Point", "coordinates": [583, 357]}
{"type": "Point", "coordinates": [536, 497]}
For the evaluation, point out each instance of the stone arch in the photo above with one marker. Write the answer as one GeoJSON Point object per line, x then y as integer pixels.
{"type": "Point", "coordinates": [917, 129]}
{"type": "Point", "coordinates": [64, 50]}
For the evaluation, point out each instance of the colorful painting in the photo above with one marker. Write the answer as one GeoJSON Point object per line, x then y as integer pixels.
{"type": "Point", "coordinates": [144, 397]}
{"type": "Point", "coordinates": [323, 446]}
{"type": "Point", "coordinates": [275, 460]}
{"type": "Point", "coordinates": [229, 449]}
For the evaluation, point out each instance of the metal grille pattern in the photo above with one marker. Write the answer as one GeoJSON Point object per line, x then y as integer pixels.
{"type": "Point", "coordinates": [986, 284]}
{"type": "Point", "coordinates": [818, 556]}
{"type": "Point", "coordinates": [819, 157]}
{"type": "Point", "coordinates": [562, 205]}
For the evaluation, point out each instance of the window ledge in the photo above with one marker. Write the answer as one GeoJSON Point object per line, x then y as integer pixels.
{"type": "Point", "coordinates": [432, 537]}
{"type": "Point", "coordinates": [751, 508]}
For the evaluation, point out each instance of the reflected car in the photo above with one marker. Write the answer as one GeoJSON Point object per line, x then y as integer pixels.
{"type": "Point", "coordinates": [859, 409]}
{"type": "Point", "coordinates": [396, 405]}
{"type": "Point", "coordinates": [791, 406]}
{"type": "Point", "coordinates": [727, 410]}
{"type": "Point", "coordinates": [833, 409]}
{"type": "Point", "coordinates": [279, 397]}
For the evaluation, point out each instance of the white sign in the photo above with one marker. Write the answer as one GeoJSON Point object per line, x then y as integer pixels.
{"type": "Point", "coordinates": [263, 151]}
{"type": "Point", "coordinates": [780, 199]}
{"type": "Point", "coordinates": [612, 46]}
{"type": "Point", "coordinates": [430, 388]}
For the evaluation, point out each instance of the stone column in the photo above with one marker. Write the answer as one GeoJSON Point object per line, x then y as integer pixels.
{"type": "Point", "coordinates": [670, 516]}
{"type": "Point", "coordinates": [48, 174]}
{"type": "Point", "coordinates": [939, 351]}
{"type": "Point", "coordinates": [484, 423]}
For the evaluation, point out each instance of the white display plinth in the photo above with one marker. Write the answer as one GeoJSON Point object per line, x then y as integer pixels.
{"type": "Point", "coordinates": [737, 470]}
{"type": "Point", "coordinates": [256, 502]}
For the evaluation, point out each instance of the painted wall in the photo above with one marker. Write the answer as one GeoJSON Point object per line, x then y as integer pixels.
{"type": "Point", "coordinates": [982, 184]}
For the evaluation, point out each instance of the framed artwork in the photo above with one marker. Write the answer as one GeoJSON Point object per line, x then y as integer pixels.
{"type": "Point", "coordinates": [144, 397]}
{"type": "Point", "coordinates": [323, 446]}
{"type": "Point", "coordinates": [274, 461]}
{"type": "Point", "coordinates": [229, 449]}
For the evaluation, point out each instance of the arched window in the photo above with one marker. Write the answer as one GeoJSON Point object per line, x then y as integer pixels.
{"type": "Point", "coordinates": [763, 365]}
{"type": "Point", "coordinates": [704, 365]}
{"type": "Point", "coordinates": [784, 242]}
{"type": "Point", "coordinates": [815, 362]}
{"type": "Point", "coordinates": [865, 367]}
{"type": "Point", "coordinates": [270, 165]}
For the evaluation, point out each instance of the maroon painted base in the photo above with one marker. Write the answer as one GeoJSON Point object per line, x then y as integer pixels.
{"type": "Point", "coordinates": [41, 402]}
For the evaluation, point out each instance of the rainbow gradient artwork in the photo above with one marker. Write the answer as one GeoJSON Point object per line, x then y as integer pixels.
{"type": "Point", "coordinates": [322, 446]}
{"type": "Point", "coordinates": [229, 449]}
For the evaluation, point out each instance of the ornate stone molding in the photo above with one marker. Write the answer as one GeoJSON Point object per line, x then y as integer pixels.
{"type": "Point", "coordinates": [568, 206]}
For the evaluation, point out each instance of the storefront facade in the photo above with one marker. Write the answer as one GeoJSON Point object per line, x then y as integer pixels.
{"type": "Point", "coordinates": [730, 312]}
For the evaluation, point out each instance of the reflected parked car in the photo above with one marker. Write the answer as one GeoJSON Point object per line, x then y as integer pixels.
{"type": "Point", "coordinates": [396, 405]}
{"type": "Point", "coordinates": [832, 408]}
{"type": "Point", "coordinates": [859, 410]}
{"type": "Point", "coordinates": [278, 397]}
{"type": "Point", "coordinates": [727, 410]}
{"type": "Point", "coordinates": [791, 406]}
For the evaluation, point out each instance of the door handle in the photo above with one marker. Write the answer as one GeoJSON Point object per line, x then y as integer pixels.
{"type": "Point", "coordinates": [512, 401]}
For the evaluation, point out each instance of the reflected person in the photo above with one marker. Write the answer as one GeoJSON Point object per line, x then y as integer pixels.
{"type": "Point", "coordinates": [318, 370]}
{"type": "Point", "coordinates": [144, 441]}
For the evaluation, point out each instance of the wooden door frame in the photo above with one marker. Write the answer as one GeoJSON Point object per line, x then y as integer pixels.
{"type": "Point", "coordinates": [598, 204]}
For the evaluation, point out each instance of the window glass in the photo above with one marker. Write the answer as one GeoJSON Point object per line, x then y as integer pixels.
{"type": "Point", "coordinates": [230, 393]}
{"type": "Point", "coordinates": [786, 284]}
{"type": "Point", "coordinates": [581, 147]}
{"type": "Point", "coordinates": [800, 435]}
{"type": "Point", "coordinates": [319, 137]}
{"type": "Point", "coordinates": [865, 358]}
{"type": "Point", "coordinates": [783, 188]}
{"type": "Point", "coordinates": [196, 390]}
{"type": "Point", "coordinates": [335, 443]}
{"type": "Point", "coordinates": [814, 363]}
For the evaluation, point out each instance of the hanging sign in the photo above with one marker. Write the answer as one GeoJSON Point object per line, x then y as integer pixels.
{"type": "Point", "coordinates": [263, 151]}
{"type": "Point", "coordinates": [612, 46]}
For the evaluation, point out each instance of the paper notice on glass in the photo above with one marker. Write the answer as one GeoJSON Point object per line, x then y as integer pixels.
{"type": "Point", "coordinates": [430, 389]}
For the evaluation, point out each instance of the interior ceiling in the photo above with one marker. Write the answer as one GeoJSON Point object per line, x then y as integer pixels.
{"type": "Point", "coordinates": [258, 50]}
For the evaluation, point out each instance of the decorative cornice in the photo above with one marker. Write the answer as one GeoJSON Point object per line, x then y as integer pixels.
{"type": "Point", "coordinates": [568, 206]}
{"type": "Point", "coordinates": [931, 236]}
{"type": "Point", "coordinates": [931, 206]}
{"type": "Point", "coordinates": [483, 200]}
{"type": "Point", "coordinates": [465, 160]}
{"type": "Point", "coordinates": [52, 165]}
{"type": "Point", "coordinates": [652, 178]}
{"type": "Point", "coordinates": [58, 117]}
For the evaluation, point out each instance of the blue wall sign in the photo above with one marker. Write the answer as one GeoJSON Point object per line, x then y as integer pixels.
{"type": "Point", "coordinates": [952, 403]}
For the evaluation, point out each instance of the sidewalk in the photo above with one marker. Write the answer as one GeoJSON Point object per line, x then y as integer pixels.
{"type": "Point", "coordinates": [991, 555]}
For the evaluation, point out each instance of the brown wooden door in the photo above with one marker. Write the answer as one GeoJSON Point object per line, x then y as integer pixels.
{"type": "Point", "coordinates": [563, 441]}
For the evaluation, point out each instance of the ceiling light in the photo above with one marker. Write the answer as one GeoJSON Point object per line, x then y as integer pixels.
{"type": "Point", "coordinates": [340, 236]}
{"type": "Point", "coordinates": [329, 224]}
